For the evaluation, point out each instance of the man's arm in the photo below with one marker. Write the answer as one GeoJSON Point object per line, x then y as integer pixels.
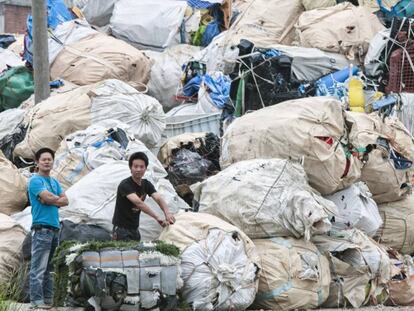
{"type": "Point", "coordinates": [49, 198]}
{"type": "Point", "coordinates": [163, 205]}
{"type": "Point", "coordinates": [140, 205]}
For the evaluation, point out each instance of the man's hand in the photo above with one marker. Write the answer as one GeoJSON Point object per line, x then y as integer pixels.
{"type": "Point", "coordinates": [161, 222]}
{"type": "Point", "coordinates": [169, 218]}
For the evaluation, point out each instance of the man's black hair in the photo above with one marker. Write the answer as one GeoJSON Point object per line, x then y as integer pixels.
{"type": "Point", "coordinates": [44, 150]}
{"type": "Point", "coordinates": [138, 156]}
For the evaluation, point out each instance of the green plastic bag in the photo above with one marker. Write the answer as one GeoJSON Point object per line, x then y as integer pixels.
{"type": "Point", "coordinates": [16, 85]}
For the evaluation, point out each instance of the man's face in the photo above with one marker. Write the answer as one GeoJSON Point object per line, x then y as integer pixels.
{"type": "Point", "coordinates": [138, 168]}
{"type": "Point", "coordinates": [45, 162]}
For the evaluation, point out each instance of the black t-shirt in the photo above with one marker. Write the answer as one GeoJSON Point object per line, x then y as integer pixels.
{"type": "Point", "coordinates": [124, 215]}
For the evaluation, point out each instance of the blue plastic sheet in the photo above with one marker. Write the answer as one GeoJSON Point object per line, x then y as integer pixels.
{"type": "Point", "coordinates": [212, 30]}
{"type": "Point", "coordinates": [218, 89]}
{"type": "Point", "coordinates": [191, 87]}
{"type": "Point", "coordinates": [199, 4]}
{"type": "Point", "coordinates": [404, 8]}
{"type": "Point", "coordinates": [57, 13]}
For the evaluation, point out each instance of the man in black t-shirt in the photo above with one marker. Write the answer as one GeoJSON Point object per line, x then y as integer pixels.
{"type": "Point", "coordinates": [130, 198]}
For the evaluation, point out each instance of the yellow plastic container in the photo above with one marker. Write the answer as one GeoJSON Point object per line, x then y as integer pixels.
{"type": "Point", "coordinates": [356, 95]}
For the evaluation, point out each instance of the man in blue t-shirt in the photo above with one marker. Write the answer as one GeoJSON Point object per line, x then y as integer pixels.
{"type": "Point", "coordinates": [46, 196]}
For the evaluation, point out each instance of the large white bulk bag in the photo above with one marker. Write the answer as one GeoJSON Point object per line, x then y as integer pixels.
{"type": "Point", "coordinates": [295, 275]}
{"type": "Point", "coordinates": [92, 198]}
{"type": "Point", "coordinates": [311, 129]}
{"type": "Point", "coordinates": [219, 264]}
{"type": "Point", "coordinates": [265, 198]}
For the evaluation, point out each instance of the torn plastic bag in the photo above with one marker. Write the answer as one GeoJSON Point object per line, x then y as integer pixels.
{"type": "Point", "coordinates": [187, 167]}
{"type": "Point", "coordinates": [295, 275]}
{"type": "Point", "coordinates": [9, 59]}
{"type": "Point", "coordinates": [360, 268]}
{"type": "Point", "coordinates": [9, 120]}
{"type": "Point", "coordinates": [276, 199]}
{"type": "Point", "coordinates": [219, 263]}
{"type": "Point", "coordinates": [356, 209]}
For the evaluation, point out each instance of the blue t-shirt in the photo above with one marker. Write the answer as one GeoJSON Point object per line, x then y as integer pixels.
{"type": "Point", "coordinates": [43, 214]}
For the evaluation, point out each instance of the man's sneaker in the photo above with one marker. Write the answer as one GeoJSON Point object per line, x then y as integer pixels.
{"type": "Point", "coordinates": [40, 307]}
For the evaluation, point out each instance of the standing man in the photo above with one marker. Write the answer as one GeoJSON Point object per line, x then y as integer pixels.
{"type": "Point", "coordinates": [46, 196]}
{"type": "Point", "coordinates": [130, 198]}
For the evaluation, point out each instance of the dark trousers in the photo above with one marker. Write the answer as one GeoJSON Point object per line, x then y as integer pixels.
{"type": "Point", "coordinates": [124, 234]}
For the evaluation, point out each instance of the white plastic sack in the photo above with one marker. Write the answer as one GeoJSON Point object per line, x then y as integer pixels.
{"type": "Point", "coordinates": [309, 64]}
{"type": "Point", "coordinates": [219, 264]}
{"type": "Point", "coordinates": [372, 60]}
{"type": "Point", "coordinates": [12, 236]}
{"type": "Point", "coordinates": [356, 209]}
{"type": "Point", "coordinates": [166, 73]}
{"type": "Point", "coordinates": [265, 198]}
{"type": "Point", "coordinates": [24, 218]}
{"type": "Point", "coordinates": [92, 199]}
{"type": "Point", "coordinates": [310, 129]}
{"type": "Point", "coordinates": [295, 275]}
{"type": "Point", "coordinates": [317, 4]}
{"type": "Point", "coordinates": [60, 115]}
{"type": "Point", "coordinates": [9, 59]}
{"type": "Point", "coordinates": [99, 12]}
{"type": "Point", "coordinates": [147, 23]}
{"type": "Point", "coordinates": [9, 119]}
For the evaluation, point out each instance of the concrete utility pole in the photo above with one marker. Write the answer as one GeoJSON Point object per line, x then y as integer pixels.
{"type": "Point", "coordinates": [40, 50]}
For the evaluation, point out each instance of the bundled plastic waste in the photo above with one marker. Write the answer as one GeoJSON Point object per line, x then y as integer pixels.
{"type": "Point", "coordinates": [360, 268]}
{"type": "Point", "coordinates": [312, 129]}
{"type": "Point", "coordinates": [219, 264]}
{"type": "Point", "coordinates": [295, 275]}
{"type": "Point", "coordinates": [276, 199]}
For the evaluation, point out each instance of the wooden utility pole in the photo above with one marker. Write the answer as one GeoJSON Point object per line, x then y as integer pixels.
{"type": "Point", "coordinates": [40, 50]}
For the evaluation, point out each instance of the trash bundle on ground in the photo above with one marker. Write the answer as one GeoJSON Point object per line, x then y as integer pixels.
{"type": "Point", "coordinates": [116, 274]}
{"type": "Point", "coordinates": [276, 199]}
{"type": "Point", "coordinates": [360, 268]}
{"type": "Point", "coordinates": [219, 263]}
{"type": "Point", "coordinates": [295, 275]}
{"type": "Point", "coordinates": [53, 119]}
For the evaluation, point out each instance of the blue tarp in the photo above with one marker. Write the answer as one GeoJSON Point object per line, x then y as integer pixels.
{"type": "Point", "coordinates": [199, 4]}
{"type": "Point", "coordinates": [404, 8]}
{"type": "Point", "coordinates": [57, 13]}
{"type": "Point", "coordinates": [218, 89]}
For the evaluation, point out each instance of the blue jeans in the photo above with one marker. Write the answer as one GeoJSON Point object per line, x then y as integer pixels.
{"type": "Point", "coordinates": [44, 243]}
